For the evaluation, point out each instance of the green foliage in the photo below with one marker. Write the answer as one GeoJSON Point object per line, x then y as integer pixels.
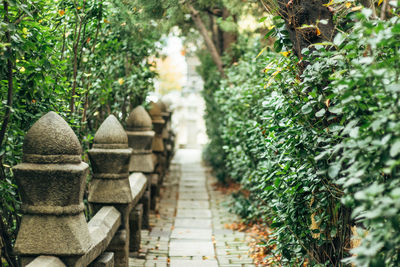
{"type": "Point", "coordinates": [82, 59]}
{"type": "Point", "coordinates": [213, 153]}
{"type": "Point", "coordinates": [319, 153]}
{"type": "Point", "coordinates": [171, 13]}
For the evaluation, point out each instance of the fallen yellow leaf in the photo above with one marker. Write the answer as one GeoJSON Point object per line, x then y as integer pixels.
{"type": "Point", "coordinates": [330, 3]}
{"type": "Point", "coordinates": [276, 72]}
{"type": "Point", "coordinates": [259, 54]}
{"type": "Point", "coordinates": [328, 102]}
{"type": "Point", "coordinates": [268, 67]}
{"type": "Point", "coordinates": [285, 54]}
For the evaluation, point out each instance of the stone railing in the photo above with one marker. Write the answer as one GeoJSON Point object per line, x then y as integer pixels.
{"type": "Point", "coordinates": [167, 133]}
{"type": "Point", "coordinates": [158, 151]}
{"type": "Point", "coordinates": [52, 180]}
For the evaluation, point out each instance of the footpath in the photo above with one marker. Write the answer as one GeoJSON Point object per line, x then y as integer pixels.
{"type": "Point", "coordinates": [188, 227]}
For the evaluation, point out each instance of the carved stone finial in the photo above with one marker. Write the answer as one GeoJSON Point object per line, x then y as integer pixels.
{"type": "Point", "coordinates": [158, 124]}
{"type": "Point", "coordinates": [111, 134]}
{"type": "Point", "coordinates": [139, 120]}
{"type": "Point", "coordinates": [155, 112]}
{"type": "Point", "coordinates": [51, 180]}
{"type": "Point", "coordinates": [110, 157]}
{"type": "Point", "coordinates": [162, 106]}
{"type": "Point", "coordinates": [166, 115]}
{"type": "Point", "coordinates": [51, 140]}
{"type": "Point", "coordinates": [164, 111]}
{"type": "Point", "coordinates": [110, 184]}
{"type": "Point", "coordinates": [140, 138]}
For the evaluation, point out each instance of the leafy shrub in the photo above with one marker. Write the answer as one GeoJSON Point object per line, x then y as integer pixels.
{"type": "Point", "coordinates": [319, 152]}
{"type": "Point", "coordinates": [82, 59]}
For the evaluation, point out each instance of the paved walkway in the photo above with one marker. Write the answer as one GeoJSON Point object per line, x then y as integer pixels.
{"type": "Point", "coordinates": [188, 229]}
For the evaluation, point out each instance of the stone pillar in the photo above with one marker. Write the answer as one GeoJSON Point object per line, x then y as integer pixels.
{"type": "Point", "coordinates": [136, 227]}
{"type": "Point", "coordinates": [166, 133]}
{"type": "Point", "coordinates": [110, 158]}
{"type": "Point", "coordinates": [146, 203]}
{"type": "Point", "coordinates": [104, 260]}
{"type": "Point", "coordinates": [158, 148]}
{"type": "Point", "coordinates": [140, 138]}
{"type": "Point", "coordinates": [166, 116]}
{"type": "Point", "coordinates": [51, 179]}
{"type": "Point", "coordinates": [158, 124]}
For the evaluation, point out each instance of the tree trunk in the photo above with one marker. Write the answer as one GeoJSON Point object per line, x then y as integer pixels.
{"type": "Point", "coordinates": [370, 4]}
{"type": "Point", "coordinates": [207, 39]}
{"type": "Point", "coordinates": [298, 13]}
{"type": "Point", "coordinates": [228, 37]}
{"type": "Point", "coordinates": [216, 34]}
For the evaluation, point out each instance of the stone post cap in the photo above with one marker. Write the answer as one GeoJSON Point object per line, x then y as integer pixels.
{"type": "Point", "coordinates": [51, 180]}
{"type": "Point", "coordinates": [51, 140]}
{"type": "Point", "coordinates": [162, 106]}
{"type": "Point", "coordinates": [156, 113]}
{"type": "Point", "coordinates": [111, 135]}
{"type": "Point", "coordinates": [165, 113]}
{"type": "Point", "coordinates": [139, 120]}
{"type": "Point", "coordinates": [110, 158]}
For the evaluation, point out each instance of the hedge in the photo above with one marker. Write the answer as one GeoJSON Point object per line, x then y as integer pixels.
{"type": "Point", "coordinates": [318, 150]}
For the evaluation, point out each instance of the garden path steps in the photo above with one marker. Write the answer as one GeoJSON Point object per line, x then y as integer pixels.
{"type": "Point", "coordinates": [188, 228]}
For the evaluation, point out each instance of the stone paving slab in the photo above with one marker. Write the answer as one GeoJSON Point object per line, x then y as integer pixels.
{"type": "Point", "coordinates": [188, 228]}
{"type": "Point", "coordinates": [192, 233]}
{"type": "Point", "coordinates": [190, 204]}
{"type": "Point", "coordinates": [194, 196]}
{"type": "Point", "coordinates": [193, 263]}
{"type": "Point", "coordinates": [193, 213]}
{"type": "Point", "coordinates": [193, 193]}
{"type": "Point", "coordinates": [191, 248]}
{"type": "Point", "coordinates": [193, 223]}
{"type": "Point", "coordinates": [193, 188]}
{"type": "Point", "coordinates": [199, 188]}
{"type": "Point", "coordinates": [196, 181]}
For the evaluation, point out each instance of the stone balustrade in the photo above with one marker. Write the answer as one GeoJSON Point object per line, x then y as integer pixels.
{"type": "Point", "coordinates": [167, 133]}
{"type": "Point", "coordinates": [110, 184]}
{"type": "Point", "coordinates": [52, 180]}
{"type": "Point", "coordinates": [140, 139]}
{"type": "Point", "coordinates": [158, 149]}
{"type": "Point", "coordinates": [158, 125]}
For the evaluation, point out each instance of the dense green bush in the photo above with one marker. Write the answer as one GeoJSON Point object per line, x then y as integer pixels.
{"type": "Point", "coordinates": [212, 152]}
{"type": "Point", "coordinates": [82, 59]}
{"type": "Point", "coordinates": [319, 152]}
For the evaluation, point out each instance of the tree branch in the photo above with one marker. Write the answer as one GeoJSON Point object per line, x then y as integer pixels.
{"type": "Point", "coordinates": [384, 9]}
{"type": "Point", "coordinates": [207, 39]}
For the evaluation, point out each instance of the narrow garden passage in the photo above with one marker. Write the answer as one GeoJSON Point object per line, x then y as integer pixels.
{"type": "Point", "coordinates": [187, 228]}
